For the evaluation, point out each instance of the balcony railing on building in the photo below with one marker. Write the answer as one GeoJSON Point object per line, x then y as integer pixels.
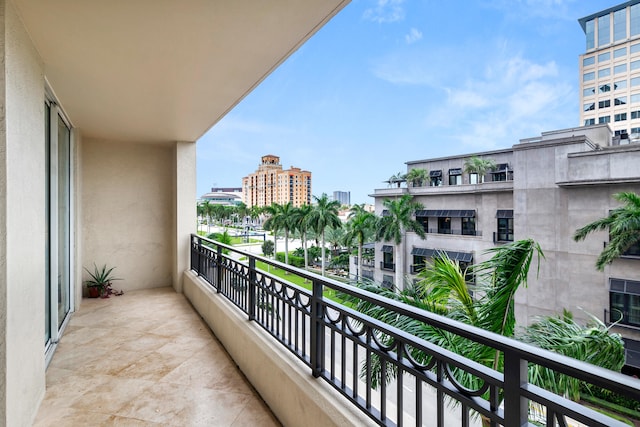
{"type": "Point", "coordinates": [339, 345]}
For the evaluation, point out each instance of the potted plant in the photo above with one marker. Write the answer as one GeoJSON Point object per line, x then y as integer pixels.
{"type": "Point", "coordinates": [99, 282]}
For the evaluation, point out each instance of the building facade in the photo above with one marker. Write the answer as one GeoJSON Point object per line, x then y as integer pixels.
{"type": "Point", "coordinates": [342, 197]}
{"type": "Point", "coordinates": [543, 188]}
{"type": "Point", "coordinates": [229, 196]}
{"type": "Point", "coordinates": [610, 70]}
{"type": "Point", "coordinates": [271, 184]}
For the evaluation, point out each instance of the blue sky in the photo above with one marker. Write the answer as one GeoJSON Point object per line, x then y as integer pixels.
{"type": "Point", "coordinates": [389, 81]}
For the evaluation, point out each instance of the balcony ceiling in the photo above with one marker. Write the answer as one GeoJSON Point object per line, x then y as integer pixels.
{"type": "Point", "coordinates": [163, 70]}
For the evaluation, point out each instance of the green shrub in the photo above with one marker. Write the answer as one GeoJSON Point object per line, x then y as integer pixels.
{"type": "Point", "coordinates": [295, 261]}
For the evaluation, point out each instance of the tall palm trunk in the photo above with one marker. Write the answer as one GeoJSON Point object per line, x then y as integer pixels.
{"type": "Point", "coordinates": [304, 249]}
{"type": "Point", "coordinates": [359, 261]}
{"type": "Point", "coordinates": [323, 257]}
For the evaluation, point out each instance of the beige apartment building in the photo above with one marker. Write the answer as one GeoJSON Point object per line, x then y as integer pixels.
{"type": "Point", "coordinates": [102, 103]}
{"type": "Point", "coordinates": [610, 70]}
{"type": "Point", "coordinates": [271, 184]}
{"type": "Point", "coordinates": [543, 188]}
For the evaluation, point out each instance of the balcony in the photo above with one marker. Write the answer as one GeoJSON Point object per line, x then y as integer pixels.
{"type": "Point", "coordinates": [331, 348]}
{"type": "Point", "coordinates": [147, 357]}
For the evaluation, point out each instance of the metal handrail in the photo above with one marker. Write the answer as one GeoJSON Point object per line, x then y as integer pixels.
{"type": "Point", "coordinates": [336, 342]}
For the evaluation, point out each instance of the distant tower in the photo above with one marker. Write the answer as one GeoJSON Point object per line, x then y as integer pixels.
{"type": "Point", "coordinates": [271, 184]}
{"type": "Point", "coordinates": [610, 70]}
{"type": "Point", "coordinates": [344, 197]}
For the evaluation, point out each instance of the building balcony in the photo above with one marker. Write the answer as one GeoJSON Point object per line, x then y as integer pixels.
{"type": "Point", "coordinates": [240, 336]}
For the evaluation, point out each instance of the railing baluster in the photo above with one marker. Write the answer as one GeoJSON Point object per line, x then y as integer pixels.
{"type": "Point", "coordinates": [515, 404]}
{"type": "Point", "coordinates": [218, 270]}
{"type": "Point", "coordinates": [252, 288]}
{"type": "Point", "coordinates": [317, 330]}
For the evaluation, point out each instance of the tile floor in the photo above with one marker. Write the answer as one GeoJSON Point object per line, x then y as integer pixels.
{"type": "Point", "coordinates": [144, 359]}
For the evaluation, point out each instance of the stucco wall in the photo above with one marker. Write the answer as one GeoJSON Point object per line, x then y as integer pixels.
{"type": "Point", "coordinates": [22, 248]}
{"type": "Point", "coordinates": [127, 211]}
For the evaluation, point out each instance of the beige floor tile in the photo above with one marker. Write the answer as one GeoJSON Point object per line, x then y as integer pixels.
{"type": "Point", "coordinates": [145, 359]}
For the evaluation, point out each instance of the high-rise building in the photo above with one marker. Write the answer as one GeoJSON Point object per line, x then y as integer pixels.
{"type": "Point", "coordinates": [343, 197]}
{"type": "Point", "coordinates": [610, 70]}
{"type": "Point", "coordinates": [271, 184]}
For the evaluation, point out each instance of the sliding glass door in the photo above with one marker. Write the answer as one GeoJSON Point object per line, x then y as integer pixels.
{"type": "Point", "coordinates": [58, 279]}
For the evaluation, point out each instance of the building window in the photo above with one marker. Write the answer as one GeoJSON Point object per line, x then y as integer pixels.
{"type": "Point", "coordinates": [588, 76]}
{"type": "Point", "coordinates": [620, 24]}
{"type": "Point", "coordinates": [418, 265]}
{"type": "Point", "coordinates": [604, 104]}
{"type": "Point", "coordinates": [604, 57]}
{"type": "Point", "coordinates": [618, 53]}
{"type": "Point", "coordinates": [588, 91]}
{"type": "Point", "coordinates": [635, 130]}
{"type": "Point", "coordinates": [635, 81]}
{"type": "Point", "coordinates": [635, 98]}
{"type": "Point", "coordinates": [424, 222]}
{"type": "Point", "coordinates": [634, 20]}
{"type": "Point", "coordinates": [634, 65]}
{"type": "Point", "coordinates": [444, 225]}
{"type": "Point", "coordinates": [588, 61]}
{"type": "Point", "coordinates": [621, 84]}
{"type": "Point", "coordinates": [622, 68]}
{"type": "Point", "coordinates": [635, 115]}
{"type": "Point", "coordinates": [468, 226]}
{"type": "Point", "coordinates": [435, 178]}
{"type": "Point", "coordinates": [603, 30]}
{"type": "Point", "coordinates": [473, 178]}
{"type": "Point", "coordinates": [455, 176]}
{"type": "Point", "coordinates": [505, 229]}
{"type": "Point", "coordinates": [387, 281]}
{"type": "Point", "coordinates": [604, 72]}
{"type": "Point", "coordinates": [624, 301]}
{"type": "Point", "coordinates": [604, 88]}
{"type": "Point", "coordinates": [620, 117]}
{"type": "Point", "coordinates": [633, 251]}
{"type": "Point", "coordinates": [589, 106]}
{"type": "Point", "coordinates": [589, 122]}
{"type": "Point", "coordinates": [387, 260]}
{"type": "Point", "coordinates": [621, 100]}
{"type": "Point", "coordinates": [590, 31]}
{"type": "Point", "coordinates": [605, 119]}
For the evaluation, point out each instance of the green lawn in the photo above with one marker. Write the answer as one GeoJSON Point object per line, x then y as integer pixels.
{"type": "Point", "coordinates": [300, 281]}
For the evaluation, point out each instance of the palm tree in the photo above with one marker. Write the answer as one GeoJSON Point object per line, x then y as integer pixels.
{"type": "Point", "coordinates": [301, 224]}
{"type": "Point", "coordinates": [207, 210]}
{"type": "Point", "coordinates": [623, 224]}
{"type": "Point", "coordinates": [417, 177]}
{"type": "Point", "coordinates": [392, 226]}
{"type": "Point", "coordinates": [200, 213]}
{"type": "Point", "coordinates": [281, 219]}
{"type": "Point", "coordinates": [323, 215]}
{"type": "Point", "coordinates": [397, 179]}
{"type": "Point", "coordinates": [360, 226]}
{"type": "Point", "coordinates": [335, 238]}
{"type": "Point", "coordinates": [443, 290]}
{"type": "Point", "coordinates": [479, 166]}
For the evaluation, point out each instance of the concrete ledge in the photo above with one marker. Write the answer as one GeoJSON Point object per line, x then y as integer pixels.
{"type": "Point", "coordinates": [284, 382]}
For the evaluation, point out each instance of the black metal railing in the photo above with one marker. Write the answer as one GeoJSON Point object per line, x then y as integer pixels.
{"type": "Point", "coordinates": [340, 345]}
{"type": "Point", "coordinates": [388, 266]}
{"type": "Point", "coordinates": [456, 232]}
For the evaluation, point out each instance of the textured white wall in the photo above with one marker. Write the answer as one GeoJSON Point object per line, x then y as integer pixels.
{"type": "Point", "coordinates": [22, 248]}
{"type": "Point", "coordinates": [127, 211]}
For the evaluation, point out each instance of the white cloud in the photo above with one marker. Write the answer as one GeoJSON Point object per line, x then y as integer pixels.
{"type": "Point", "coordinates": [413, 36]}
{"type": "Point", "coordinates": [513, 98]}
{"type": "Point", "coordinates": [385, 11]}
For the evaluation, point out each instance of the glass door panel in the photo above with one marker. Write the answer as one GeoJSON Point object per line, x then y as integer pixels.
{"type": "Point", "coordinates": [64, 233]}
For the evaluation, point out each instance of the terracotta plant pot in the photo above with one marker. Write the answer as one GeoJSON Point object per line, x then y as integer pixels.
{"type": "Point", "coordinates": [94, 291]}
